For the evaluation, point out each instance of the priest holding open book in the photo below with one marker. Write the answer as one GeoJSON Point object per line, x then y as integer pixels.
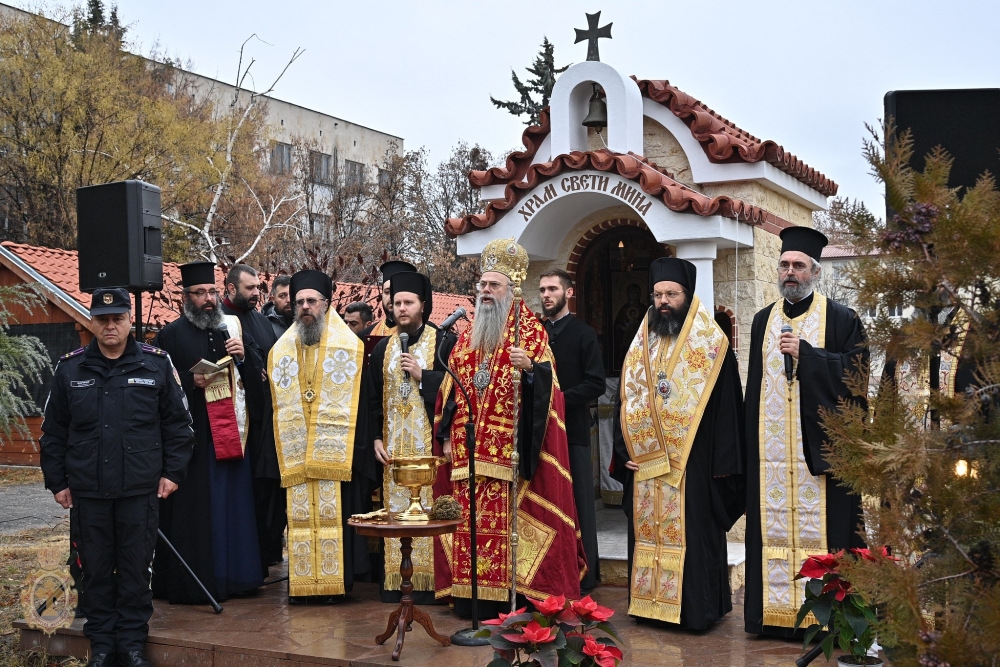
{"type": "Point", "coordinates": [211, 519]}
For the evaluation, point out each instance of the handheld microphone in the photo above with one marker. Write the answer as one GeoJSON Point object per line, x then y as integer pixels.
{"type": "Point", "coordinates": [454, 317]}
{"type": "Point", "coordinates": [789, 362]}
{"type": "Point", "coordinates": [404, 347]}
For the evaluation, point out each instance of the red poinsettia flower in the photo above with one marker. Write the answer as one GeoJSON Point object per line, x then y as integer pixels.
{"type": "Point", "coordinates": [816, 566]}
{"type": "Point", "coordinates": [604, 655]}
{"type": "Point", "coordinates": [551, 605]}
{"type": "Point", "coordinates": [867, 554]}
{"type": "Point", "coordinates": [589, 610]}
{"type": "Point", "coordinates": [533, 633]}
{"type": "Point", "coordinates": [840, 585]}
{"type": "Point", "coordinates": [503, 617]}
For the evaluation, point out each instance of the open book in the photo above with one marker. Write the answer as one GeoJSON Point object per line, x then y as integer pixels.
{"type": "Point", "coordinates": [206, 367]}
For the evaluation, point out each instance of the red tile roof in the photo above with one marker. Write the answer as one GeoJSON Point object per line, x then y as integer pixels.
{"type": "Point", "coordinates": [723, 142]}
{"type": "Point", "coordinates": [652, 180]}
{"type": "Point", "coordinates": [61, 268]}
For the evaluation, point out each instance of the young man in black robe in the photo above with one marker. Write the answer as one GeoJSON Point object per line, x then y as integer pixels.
{"type": "Point", "coordinates": [580, 369]}
{"type": "Point", "coordinates": [795, 508]}
{"type": "Point", "coordinates": [210, 520]}
{"type": "Point", "coordinates": [397, 424]}
{"type": "Point", "coordinates": [678, 454]}
{"type": "Point", "coordinates": [378, 330]}
{"type": "Point", "coordinates": [241, 298]}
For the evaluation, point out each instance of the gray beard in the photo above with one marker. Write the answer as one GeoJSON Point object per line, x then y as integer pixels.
{"type": "Point", "coordinates": [202, 319]}
{"type": "Point", "coordinates": [796, 293]}
{"type": "Point", "coordinates": [669, 324]}
{"type": "Point", "coordinates": [310, 334]}
{"type": "Point", "coordinates": [488, 325]}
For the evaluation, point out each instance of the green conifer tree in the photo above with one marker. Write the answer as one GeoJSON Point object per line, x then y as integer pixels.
{"type": "Point", "coordinates": [536, 91]}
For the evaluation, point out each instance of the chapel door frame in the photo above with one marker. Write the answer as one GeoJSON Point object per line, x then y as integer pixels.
{"type": "Point", "coordinates": [598, 241]}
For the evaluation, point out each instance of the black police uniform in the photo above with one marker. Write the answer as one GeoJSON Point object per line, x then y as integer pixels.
{"type": "Point", "coordinates": [112, 429]}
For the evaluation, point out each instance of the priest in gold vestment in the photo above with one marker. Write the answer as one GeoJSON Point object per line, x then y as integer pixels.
{"type": "Point", "coordinates": [679, 454]}
{"type": "Point", "coordinates": [795, 507]}
{"type": "Point", "coordinates": [315, 374]}
{"type": "Point", "coordinates": [506, 365]}
{"type": "Point", "coordinates": [403, 387]}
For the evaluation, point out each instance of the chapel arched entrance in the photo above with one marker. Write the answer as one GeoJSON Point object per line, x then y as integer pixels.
{"type": "Point", "coordinates": [612, 288]}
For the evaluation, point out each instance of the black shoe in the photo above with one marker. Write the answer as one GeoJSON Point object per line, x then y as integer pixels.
{"type": "Point", "coordinates": [133, 659]}
{"type": "Point", "coordinates": [327, 599]}
{"type": "Point", "coordinates": [103, 660]}
{"type": "Point", "coordinates": [298, 599]}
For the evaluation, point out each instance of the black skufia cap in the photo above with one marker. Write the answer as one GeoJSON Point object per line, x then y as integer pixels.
{"type": "Point", "coordinates": [676, 270]}
{"type": "Point", "coordinates": [417, 283]}
{"type": "Point", "coordinates": [311, 279]}
{"type": "Point", "coordinates": [389, 269]}
{"type": "Point", "coordinates": [803, 239]}
{"type": "Point", "coordinates": [110, 301]}
{"type": "Point", "coordinates": [197, 273]}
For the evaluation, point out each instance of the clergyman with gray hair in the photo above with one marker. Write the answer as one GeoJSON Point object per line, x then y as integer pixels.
{"type": "Point", "coordinates": [794, 505]}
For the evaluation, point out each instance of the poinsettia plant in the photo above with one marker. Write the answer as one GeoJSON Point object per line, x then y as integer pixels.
{"type": "Point", "coordinates": [557, 633]}
{"type": "Point", "coordinates": [848, 619]}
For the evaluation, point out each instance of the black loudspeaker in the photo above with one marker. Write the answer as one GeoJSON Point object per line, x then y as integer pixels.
{"type": "Point", "coordinates": [119, 236]}
{"type": "Point", "coordinates": [965, 122]}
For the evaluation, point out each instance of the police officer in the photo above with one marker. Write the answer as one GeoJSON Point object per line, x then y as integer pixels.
{"type": "Point", "coordinates": [116, 437]}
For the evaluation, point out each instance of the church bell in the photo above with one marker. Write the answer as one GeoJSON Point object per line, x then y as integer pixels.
{"type": "Point", "coordinates": [597, 117]}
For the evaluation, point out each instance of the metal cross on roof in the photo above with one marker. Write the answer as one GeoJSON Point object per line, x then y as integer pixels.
{"type": "Point", "coordinates": [592, 34]}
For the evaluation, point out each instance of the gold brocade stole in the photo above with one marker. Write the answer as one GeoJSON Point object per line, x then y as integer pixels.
{"type": "Point", "coordinates": [660, 419]}
{"type": "Point", "coordinates": [319, 445]}
{"type": "Point", "coordinates": [380, 329]}
{"type": "Point", "coordinates": [407, 432]}
{"type": "Point", "coordinates": [913, 378]}
{"type": "Point", "coordinates": [792, 501]}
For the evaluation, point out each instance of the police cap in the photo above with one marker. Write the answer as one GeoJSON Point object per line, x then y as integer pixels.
{"type": "Point", "coordinates": [110, 301]}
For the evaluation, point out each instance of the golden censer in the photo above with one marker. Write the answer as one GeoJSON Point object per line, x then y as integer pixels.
{"type": "Point", "coordinates": [414, 473]}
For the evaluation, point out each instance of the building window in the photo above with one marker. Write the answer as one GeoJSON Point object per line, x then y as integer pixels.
{"type": "Point", "coordinates": [354, 172]}
{"type": "Point", "coordinates": [320, 168]}
{"type": "Point", "coordinates": [384, 178]}
{"type": "Point", "coordinates": [281, 158]}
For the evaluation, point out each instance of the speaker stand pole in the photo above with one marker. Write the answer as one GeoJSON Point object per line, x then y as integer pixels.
{"type": "Point", "coordinates": [138, 318]}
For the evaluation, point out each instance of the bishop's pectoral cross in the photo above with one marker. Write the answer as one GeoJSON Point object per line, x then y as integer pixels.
{"type": "Point", "coordinates": [592, 34]}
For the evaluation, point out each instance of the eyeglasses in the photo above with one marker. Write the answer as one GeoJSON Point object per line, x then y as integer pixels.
{"type": "Point", "coordinates": [312, 301]}
{"type": "Point", "coordinates": [200, 294]}
{"type": "Point", "coordinates": [797, 267]}
{"type": "Point", "coordinates": [666, 296]}
{"type": "Point", "coordinates": [493, 285]}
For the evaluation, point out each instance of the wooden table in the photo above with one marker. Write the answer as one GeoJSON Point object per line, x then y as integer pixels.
{"type": "Point", "coordinates": [403, 617]}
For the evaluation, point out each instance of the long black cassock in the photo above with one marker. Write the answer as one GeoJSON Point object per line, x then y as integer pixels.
{"type": "Point", "coordinates": [821, 374]}
{"type": "Point", "coordinates": [580, 369]}
{"type": "Point", "coordinates": [713, 499]}
{"type": "Point", "coordinates": [210, 518]}
{"type": "Point", "coordinates": [429, 384]}
{"type": "Point", "coordinates": [269, 497]}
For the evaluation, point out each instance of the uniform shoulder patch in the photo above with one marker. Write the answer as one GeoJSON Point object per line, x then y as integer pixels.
{"type": "Point", "coordinates": [153, 350]}
{"type": "Point", "coordinates": [74, 353]}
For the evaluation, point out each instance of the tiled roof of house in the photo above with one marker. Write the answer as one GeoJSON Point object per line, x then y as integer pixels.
{"type": "Point", "coordinates": [61, 268]}
{"type": "Point", "coordinates": [839, 251]}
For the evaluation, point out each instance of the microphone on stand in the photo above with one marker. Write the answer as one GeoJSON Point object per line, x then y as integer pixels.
{"type": "Point", "coordinates": [404, 347]}
{"type": "Point", "coordinates": [789, 362]}
{"type": "Point", "coordinates": [454, 317]}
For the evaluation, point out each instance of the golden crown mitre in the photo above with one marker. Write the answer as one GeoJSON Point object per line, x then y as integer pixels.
{"type": "Point", "coordinates": [507, 257]}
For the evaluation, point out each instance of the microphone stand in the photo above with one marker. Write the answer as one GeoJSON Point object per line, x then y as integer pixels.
{"type": "Point", "coordinates": [466, 636]}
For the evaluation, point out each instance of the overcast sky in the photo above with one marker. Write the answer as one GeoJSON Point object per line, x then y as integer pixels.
{"type": "Point", "coordinates": [805, 74]}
